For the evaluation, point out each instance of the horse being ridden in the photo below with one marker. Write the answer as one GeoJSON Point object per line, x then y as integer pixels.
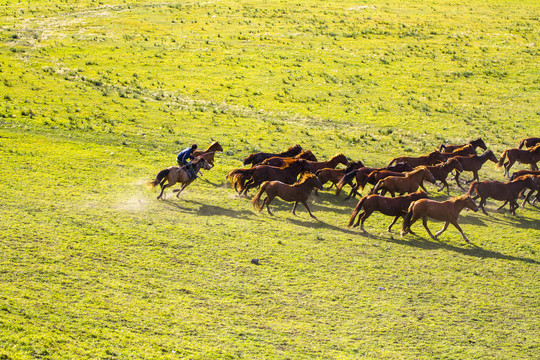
{"type": "Point", "coordinates": [447, 211]}
{"type": "Point", "coordinates": [298, 192]}
{"type": "Point", "coordinates": [474, 163]}
{"type": "Point", "coordinates": [475, 143]}
{"type": "Point", "coordinates": [507, 192]}
{"type": "Point", "coordinates": [406, 184]}
{"type": "Point", "coordinates": [209, 153]}
{"type": "Point", "coordinates": [176, 174]}
{"type": "Point", "coordinates": [259, 157]}
{"type": "Point", "coordinates": [528, 156]}
{"type": "Point", "coordinates": [391, 206]}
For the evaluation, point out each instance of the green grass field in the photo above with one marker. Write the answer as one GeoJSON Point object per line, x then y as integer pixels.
{"type": "Point", "coordinates": [96, 97]}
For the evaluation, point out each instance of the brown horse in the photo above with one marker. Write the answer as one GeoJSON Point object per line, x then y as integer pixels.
{"type": "Point", "coordinates": [406, 184]}
{"type": "Point", "coordinates": [447, 211]}
{"type": "Point", "coordinates": [430, 159]}
{"type": "Point", "coordinates": [330, 175]}
{"type": "Point", "coordinates": [507, 192]}
{"type": "Point", "coordinates": [391, 206]}
{"type": "Point", "coordinates": [298, 192]}
{"type": "Point", "coordinates": [440, 171]}
{"type": "Point", "coordinates": [529, 142]}
{"type": "Point", "coordinates": [209, 153]}
{"type": "Point", "coordinates": [255, 176]}
{"type": "Point", "coordinates": [475, 144]}
{"type": "Point", "coordinates": [332, 163]}
{"type": "Point", "coordinates": [259, 157]}
{"type": "Point", "coordinates": [474, 163]}
{"type": "Point", "coordinates": [528, 156]}
{"type": "Point", "coordinates": [281, 161]}
{"type": "Point", "coordinates": [462, 151]}
{"type": "Point", "coordinates": [176, 174]}
{"type": "Point", "coordinates": [361, 174]}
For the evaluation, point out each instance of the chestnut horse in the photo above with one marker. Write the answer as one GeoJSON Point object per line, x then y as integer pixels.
{"type": "Point", "coordinates": [475, 144]}
{"type": "Point", "coordinates": [280, 160]}
{"type": "Point", "coordinates": [447, 211]}
{"type": "Point", "coordinates": [255, 176]}
{"type": "Point", "coordinates": [259, 157]}
{"type": "Point", "coordinates": [528, 156]}
{"type": "Point", "coordinates": [474, 163]}
{"type": "Point", "coordinates": [440, 171]}
{"type": "Point", "coordinates": [430, 159]}
{"type": "Point", "coordinates": [507, 192]}
{"type": "Point", "coordinates": [462, 151]}
{"type": "Point", "coordinates": [209, 153]}
{"type": "Point", "coordinates": [298, 192]}
{"type": "Point", "coordinates": [332, 163]}
{"type": "Point", "coordinates": [391, 206]}
{"type": "Point", "coordinates": [529, 142]}
{"type": "Point", "coordinates": [176, 174]}
{"type": "Point", "coordinates": [406, 184]}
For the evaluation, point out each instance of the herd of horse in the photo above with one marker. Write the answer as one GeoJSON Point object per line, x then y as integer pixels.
{"type": "Point", "coordinates": [295, 173]}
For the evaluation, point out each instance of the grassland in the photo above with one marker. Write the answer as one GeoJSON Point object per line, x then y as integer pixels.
{"type": "Point", "coordinates": [98, 96]}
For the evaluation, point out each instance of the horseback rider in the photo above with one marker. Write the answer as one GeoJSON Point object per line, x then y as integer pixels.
{"type": "Point", "coordinates": [183, 157]}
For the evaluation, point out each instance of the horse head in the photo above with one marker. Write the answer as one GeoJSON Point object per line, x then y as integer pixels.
{"type": "Point", "coordinates": [341, 159]}
{"type": "Point", "coordinates": [469, 202]}
{"type": "Point", "coordinates": [454, 164]}
{"type": "Point", "coordinates": [490, 156]}
{"type": "Point", "coordinates": [201, 162]}
{"type": "Point", "coordinates": [479, 143]}
{"type": "Point", "coordinates": [215, 146]}
{"type": "Point", "coordinates": [427, 175]}
{"type": "Point", "coordinates": [312, 180]}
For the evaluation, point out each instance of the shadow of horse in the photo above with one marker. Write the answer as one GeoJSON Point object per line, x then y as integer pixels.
{"type": "Point", "coordinates": [210, 210]}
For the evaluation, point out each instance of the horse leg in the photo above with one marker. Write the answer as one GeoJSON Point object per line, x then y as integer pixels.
{"type": "Point", "coordinates": [482, 203]}
{"type": "Point", "coordinates": [457, 182]}
{"type": "Point", "coordinates": [445, 185]}
{"type": "Point", "coordinates": [393, 222]}
{"type": "Point", "coordinates": [442, 230]}
{"type": "Point", "coordinates": [363, 216]}
{"type": "Point", "coordinates": [162, 190]}
{"type": "Point", "coordinates": [294, 208]}
{"type": "Point", "coordinates": [454, 222]}
{"type": "Point", "coordinates": [267, 200]}
{"type": "Point", "coordinates": [309, 211]}
{"type": "Point", "coordinates": [423, 188]}
{"type": "Point", "coordinates": [182, 188]}
{"type": "Point", "coordinates": [424, 222]}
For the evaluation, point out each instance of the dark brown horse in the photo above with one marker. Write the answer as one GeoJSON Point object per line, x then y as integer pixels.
{"type": "Point", "coordinates": [281, 161]}
{"type": "Point", "coordinates": [209, 153]}
{"type": "Point", "coordinates": [447, 211]}
{"type": "Point", "coordinates": [528, 156]}
{"type": "Point", "coordinates": [360, 176]}
{"type": "Point", "coordinates": [507, 192]}
{"type": "Point", "coordinates": [440, 171]}
{"type": "Point", "coordinates": [255, 176]}
{"type": "Point", "coordinates": [298, 192]}
{"type": "Point", "coordinates": [391, 206]}
{"type": "Point", "coordinates": [330, 175]}
{"type": "Point", "coordinates": [474, 163]}
{"type": "Point", "coordinates": [176, 174]}
{"type": "Point", "coordinates": [332, 163]}
{"type": "Point", "coordinates": [478, 143]}
{"type": "Point", "coordinates": [405, 184]}
{"type": "Point", "coordinates": [432, 158]}
{"type": "Point", "coordinates": [462, 151]}
{"type": "Point", "coordinates": [529, 142]}
{"type": "Point", "coordinates": [257, 158]}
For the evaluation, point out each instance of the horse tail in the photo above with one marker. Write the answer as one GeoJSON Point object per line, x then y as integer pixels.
{"type": "Point", "coordinates": [501, 160]}
{"type": "Point", "coordinates": [472, 188]}
{"type": "Point", "coordinates": [160, 176]}
{"type": "Point", "coordinates": [377, 186]}
{"type": "Point", "coordinates": [522, 143]}
{"type": "Point", "coordinates": [238, 178]}
{"type": "Point", "coordinates": [256, 201]}
{"type": "Point", "coordinates": [408, 217]}
{"type": "Point", "coordinates": [356, 211]}
{"type": "Point", "coordinates": [441, 148]}
{"type": "Point", "coordinates": [346, 179]}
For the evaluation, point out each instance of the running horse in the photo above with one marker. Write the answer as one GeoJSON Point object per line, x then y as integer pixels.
{"type": "Point", "coordinates": [474, 163]}
{"type": "Point", "coordinates": [331, 163]}
{"type": "Point", "coordinates": [281, 161]}
{"type": "Point", "coordinates": [406, 184]}
{"type": "Point", "coordinates": [507, 192]}
{"type": "Point", "coordinates": [298, 192]}
{"type": "Point", "coordinates": [529, 142]}
{"type": "Point", "coordinates": [391, 206]}
{"type": "Point", "coordinates": [447, 211]}
{"type": "Point", "coordinates": [528, 156]}
{"type": "Point", "coordinates": [176, 174]}
{"type": "Point", "coordinates": [209, 153]}
{"type": "Point", "coordinates": [478, 143]}
{"type": "Point", "coordinates": [432, 158]}
{"type": "Point", "coordinates": [440, 172]}
{"type": "Point", "coordinates": [257, 158]}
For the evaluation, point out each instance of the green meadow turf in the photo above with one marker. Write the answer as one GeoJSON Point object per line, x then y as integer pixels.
{"type": "Point", "coordinates": [96, 97]}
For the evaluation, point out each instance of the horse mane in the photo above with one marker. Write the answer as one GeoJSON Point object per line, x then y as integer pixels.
{"type": "Point", "coordinates": [293, 150]}
{"type": "Point", "coordinates": [306, 154]}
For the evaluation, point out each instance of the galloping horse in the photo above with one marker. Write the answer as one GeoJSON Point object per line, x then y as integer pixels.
{"type": "Point", "coordinates": [406, 184]}
{"type": "Point", "coordinates": [281, 161]}
{"type": "Point", "coordinates": [447, 211]}
{"type": "Point", "coordinates": [430, 159]}
{"type": "Point", "coordinates": [298, 192]}
{"type": "Point", "coordinates": [391, 206]}
{"type": "Point", "coordinates": [474, 163]}
{"type": "Point", "coordinates": [440, 171]}
{"type": "Point", "coordinates": [475, 143]}
{"type": "Point", "coordinates": [528, 156]}
{"type": "Point", "coordinates": [507, 192]}
{"type": "Point", "coordinates": [176, 174]}
{"type": "Point", "coordinates": [330, 174]}
{"type": "Point", "coordinates": [529, 142]}
{"type": "Point", "coordinates": [332, 163]}
{"type": "Point", "coordinates": [259, 157]}
{"type": "Point", "coordinates": [209, 153]}
{"type": "Point", "coordinates": [462, 151]}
